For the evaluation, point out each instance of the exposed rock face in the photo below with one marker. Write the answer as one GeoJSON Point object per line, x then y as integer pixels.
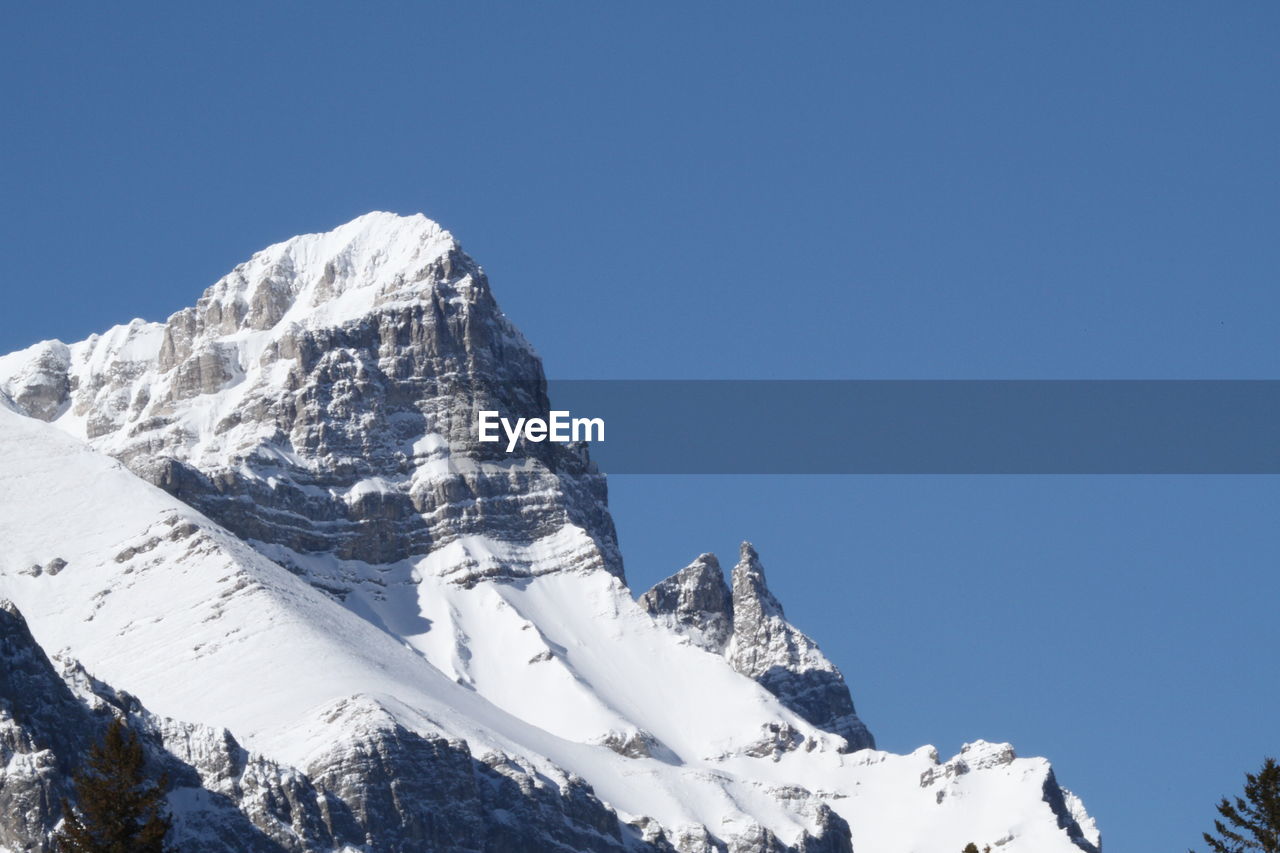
{"type": "Point", "coordinates": [750, 629]}
{"type": "Point", "coordinates": [323, 397]}
{"type": "Point", "coordinates": [38, 383]}
{"type": "Point", "coordinates": [766, 647]}
{"type": "Point", "coordinates": [1072, 818]}
{"type": "Point", "coordinates": [407, 792]}
{"type": "Point", "coordinates": [696, 602]}
{"type": "Point", "coordinates": [41, 727]}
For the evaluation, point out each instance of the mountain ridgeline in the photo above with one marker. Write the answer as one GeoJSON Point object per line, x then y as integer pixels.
{"type": "Point", "coordinates": [263, 533]}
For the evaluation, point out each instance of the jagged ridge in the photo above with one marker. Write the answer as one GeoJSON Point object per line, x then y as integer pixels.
{"type": "Point", "coordinates": [747, 626]}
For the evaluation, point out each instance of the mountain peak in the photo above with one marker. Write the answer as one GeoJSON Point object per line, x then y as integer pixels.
{"type": "Point", "coordinates": [376, 232]}
{"type": "Point", "coordinates": [695, 602]}
{"type": "Point", "coordinates": [750, 589]}
{"type": "Point", "coordinates": [334, 277]}
{"type": "Point", "coordinates": [332, 379]}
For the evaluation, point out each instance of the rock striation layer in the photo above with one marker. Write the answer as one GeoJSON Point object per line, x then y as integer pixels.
{"type": "Point", "coordinates": [323, 397]}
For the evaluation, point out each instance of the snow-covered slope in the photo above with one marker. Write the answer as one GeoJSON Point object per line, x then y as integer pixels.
{"type": "Point", "coordinates": [325, 563]}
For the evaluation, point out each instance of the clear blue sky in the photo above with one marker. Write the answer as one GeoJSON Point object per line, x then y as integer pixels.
{"type": "Point", "coordinates": [978, 190]}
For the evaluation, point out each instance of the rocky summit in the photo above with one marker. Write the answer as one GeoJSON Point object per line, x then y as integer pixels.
{"type": "Point", "coordinates": [264, 534]}
{"type": "Point", "coordinates": [747, 626]}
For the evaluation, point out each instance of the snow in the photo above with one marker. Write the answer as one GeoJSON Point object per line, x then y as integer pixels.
{"type": "Point", "coordinates": [272, 659]}
{"type": "Point", "coordinates": [365, 258]}
{"type": "Point", "coordinates": [161, 602]}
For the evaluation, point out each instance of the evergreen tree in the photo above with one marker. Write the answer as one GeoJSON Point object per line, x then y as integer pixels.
{"type": "Point", "coordinates": [1251, 822]}
{"type": "Point", "coordinates": [970, 848]}
{"type": "Point", "coordinates": [118, 809]}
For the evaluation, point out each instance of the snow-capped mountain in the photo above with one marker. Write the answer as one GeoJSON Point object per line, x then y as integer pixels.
{"type": "Point", "coordinates": [265, 532]}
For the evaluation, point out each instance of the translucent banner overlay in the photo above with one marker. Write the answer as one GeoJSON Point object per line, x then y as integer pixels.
{"type": "Point", "coordinates": [929, 427]}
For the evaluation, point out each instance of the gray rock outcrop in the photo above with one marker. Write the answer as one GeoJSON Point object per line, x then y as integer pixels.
{"type": "Point", "coordinates": [696, 602]}
{"type": "Point", "coordinates": [749, 628]}
{"type": "Point", "coordinates": [41, 385]}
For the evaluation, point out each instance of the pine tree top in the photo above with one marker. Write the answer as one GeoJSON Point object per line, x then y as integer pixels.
{"type": "Point", "coordinates": [1252, 822]}
{"type": "Point", "coordinates": [118, 808]}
